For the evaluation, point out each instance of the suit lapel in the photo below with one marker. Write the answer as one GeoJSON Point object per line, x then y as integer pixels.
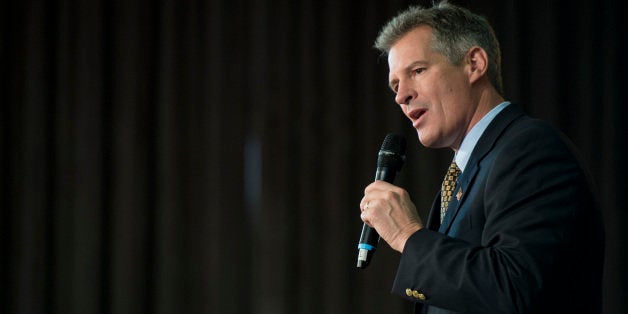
{"type": "Point", "coordinates": [483, 146]}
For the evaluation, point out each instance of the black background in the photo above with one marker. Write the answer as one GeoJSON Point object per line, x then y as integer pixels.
{"type": "Point", "coordinates": [209, 156]}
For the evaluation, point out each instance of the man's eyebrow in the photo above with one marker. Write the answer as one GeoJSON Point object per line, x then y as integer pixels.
{"type": "Point", "coordinates": [415, 63]}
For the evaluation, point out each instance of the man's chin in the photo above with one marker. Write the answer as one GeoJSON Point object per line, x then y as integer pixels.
{"type": "Point", "coordinates": [425, 140]}
{"type": "Point", "coordinates": [429, 142]}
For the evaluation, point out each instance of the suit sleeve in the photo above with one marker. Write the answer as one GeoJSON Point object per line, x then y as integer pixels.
{"type": "Point", "coordinates": [525, 204]}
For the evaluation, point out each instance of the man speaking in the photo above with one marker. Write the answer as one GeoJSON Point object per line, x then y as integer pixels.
{"type": "Point", "coordinates": [515, 227]}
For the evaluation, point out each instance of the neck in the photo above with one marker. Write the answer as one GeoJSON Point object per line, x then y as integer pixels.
{"type": "Point", "coordinates": [485, 99]}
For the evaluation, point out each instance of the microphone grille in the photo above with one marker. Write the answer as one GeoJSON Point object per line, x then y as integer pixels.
{"type": "Point", "coordinates": [394, 143]}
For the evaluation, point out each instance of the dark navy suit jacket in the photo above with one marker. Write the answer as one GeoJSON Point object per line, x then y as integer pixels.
{"type": "Point", "coordinates": [525, 235]}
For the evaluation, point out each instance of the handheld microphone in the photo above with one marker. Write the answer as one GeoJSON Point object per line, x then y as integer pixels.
{"type": "Point", "coordinates": [389, 161]}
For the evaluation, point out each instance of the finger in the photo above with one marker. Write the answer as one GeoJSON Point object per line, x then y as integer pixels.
{"type": "Point", "coordinates": [378, 186]}
{"type": "Point", "coordinates": [363, 203]}
{"type": "Point", "coordinates": [365, 218]}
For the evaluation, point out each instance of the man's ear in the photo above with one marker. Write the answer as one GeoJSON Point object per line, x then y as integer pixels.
{"type": "Point", "coordinates": [477, 60]}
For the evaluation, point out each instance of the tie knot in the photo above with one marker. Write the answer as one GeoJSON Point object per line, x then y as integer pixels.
{"type": "Point", "coordinates": [453, 169]}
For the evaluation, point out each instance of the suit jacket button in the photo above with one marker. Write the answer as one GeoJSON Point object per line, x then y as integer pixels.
{"type": "Point", "coordinates": [418, 295]}
{"type": "Point", "coordinates": [409, 292]}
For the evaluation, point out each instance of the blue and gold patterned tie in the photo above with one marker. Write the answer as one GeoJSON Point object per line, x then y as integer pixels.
{"type": "Point", "coordinates": [448, 187]}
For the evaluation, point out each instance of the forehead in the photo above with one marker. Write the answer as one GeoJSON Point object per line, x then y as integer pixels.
{"type": "Point", "coordinates": [412, 47]}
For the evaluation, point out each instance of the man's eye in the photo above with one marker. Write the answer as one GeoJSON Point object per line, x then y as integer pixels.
{"type": "Point", "coordinates": [394, 87]}
{"type": "Point", "coordinates": [419, 70]}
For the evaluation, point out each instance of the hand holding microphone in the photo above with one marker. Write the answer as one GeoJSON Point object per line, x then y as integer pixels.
{"type": "Point", "coordinates": [385, 206]}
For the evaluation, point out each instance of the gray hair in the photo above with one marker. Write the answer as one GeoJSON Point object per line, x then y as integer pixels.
{"type": "Point", "coordinates": [455, 30]}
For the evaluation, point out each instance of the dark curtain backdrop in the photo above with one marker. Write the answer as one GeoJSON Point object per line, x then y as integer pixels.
{"type": "Point", "coordinates": [210, 156]}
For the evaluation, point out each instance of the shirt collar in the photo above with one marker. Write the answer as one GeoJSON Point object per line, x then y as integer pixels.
{"type": "Point", "coordinates": [469, 141]}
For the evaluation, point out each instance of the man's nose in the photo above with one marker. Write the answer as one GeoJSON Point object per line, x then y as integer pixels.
{"type": "Point", "coordinates": [405, 94]}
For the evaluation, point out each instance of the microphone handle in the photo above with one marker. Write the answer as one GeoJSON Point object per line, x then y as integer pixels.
{"type": "Point", "coordinates": [369, 238]}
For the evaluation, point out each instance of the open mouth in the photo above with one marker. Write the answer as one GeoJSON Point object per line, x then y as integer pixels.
{"type": "Point", "coordinates": [415, 115]}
